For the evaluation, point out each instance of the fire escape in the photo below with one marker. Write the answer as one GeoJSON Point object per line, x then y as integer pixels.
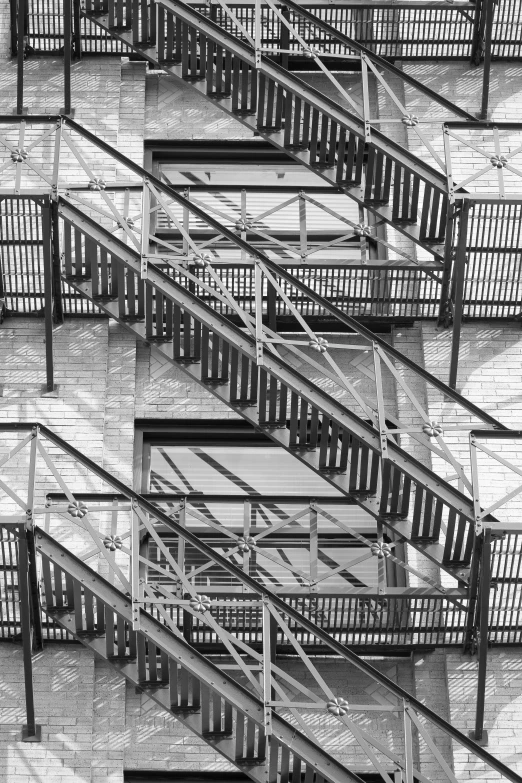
{"type": "Point", "coordinates": [121, 585]}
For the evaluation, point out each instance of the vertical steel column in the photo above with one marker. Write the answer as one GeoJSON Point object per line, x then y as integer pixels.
{"type": "Point", "coordinates": [48, 293]}
{"type": "Point", "coordinates": [67, 52]}
{"type": "Point", "coordinates": [77, 41]}
{"type": "Point", "coordinates": [13, 5]}
{"type": "Point", "coordinates": [57, 283]}
{"type": "Point", "coordinates": [36, 614]}
{"type": "Point", "coordinates": [20, 51]}
{"type": "Point", "coordinates": [30, 732]}
{"type": "Point", "coordinates": [444, 316]}
{"type": "Point", "coordinates": [489, 11]}
{"type": "Point", "coordinates": [480, 735]}
{"type": "Point", "coordinates": [458, 292]}
{"type": "Point", "coordinates": [284, 41]}
{"type": "Point", "coordinates": [478, 32]}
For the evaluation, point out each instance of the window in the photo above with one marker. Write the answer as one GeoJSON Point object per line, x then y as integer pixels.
{"type": "Point", "coordinates": [265, 196]}
{"type": "Point", "coordinates": [239, 480]}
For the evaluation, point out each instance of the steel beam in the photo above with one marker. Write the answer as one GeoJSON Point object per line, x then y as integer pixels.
{"type": "Point", "coordinates": [479, 734]}
{"type": "Point", "coordinates": [31, 732]}
{"type": "Point", "coordinates": [458, 292]}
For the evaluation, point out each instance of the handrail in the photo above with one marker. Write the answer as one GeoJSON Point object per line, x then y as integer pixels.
{"type": "Point", "coordinates": [260, 589]}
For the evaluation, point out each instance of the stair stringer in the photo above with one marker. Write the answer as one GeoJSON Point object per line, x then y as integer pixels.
{"type": "Point", "coordinates": [261, 769]}
{"type": "Point", "coordinates": [379, 141]}
{"type": "Point", "coordinates": [401, 524]}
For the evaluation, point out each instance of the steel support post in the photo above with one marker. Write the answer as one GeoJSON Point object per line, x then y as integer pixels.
{"type": "Point", "coordinates": [479, 734]}
{"type": "Point", "coordinates": [284, 40]}
{"type": "Point", "coordinates": [444, 317]}
{"type": "Point", "coordinates": [478, 32]}
{"type": "Point", "coordinates": [31, 732]}
{"type": "Point", "coordinates": [489, 11]}
{"type": "Point", "coordinates": [36, 614]}
{"type": "Point", "coordinates": [20, 51]}
{"type": "Point", "coordinates": [14, 27]}
{"type": "Point", "coordinates": [48, 294]}
{"type": "Point", "coordinates": [77, 41]}
{"type": "Point", "coordinates": [57, 282]}
{"type": "Point", "coordinates": [469, 638]}
{"type": "Point", "coordinates": [67, 53]}
{"type": "Point", "coordinates": [458, 292]}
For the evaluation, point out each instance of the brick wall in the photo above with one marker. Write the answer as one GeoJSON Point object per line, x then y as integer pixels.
{"type": "Point", "coordinates": [93, 724]}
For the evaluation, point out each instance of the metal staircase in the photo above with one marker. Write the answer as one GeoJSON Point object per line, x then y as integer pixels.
{"type": "Point", "coordinates": [345, 149]}
{"type": "Point", "coordinates": [97, 583]}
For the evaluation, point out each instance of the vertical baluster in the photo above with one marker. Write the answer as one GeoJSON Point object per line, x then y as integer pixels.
{"type": "Point", "coordinates": [109, 632]}
{"type": "Point", "coordinates": [314, 136]}
{"type": "Point", "coordinates": [323, 140]}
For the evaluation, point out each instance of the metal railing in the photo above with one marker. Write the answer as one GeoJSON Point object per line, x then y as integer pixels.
{"type": "Point", "coordinates": [400, 30]}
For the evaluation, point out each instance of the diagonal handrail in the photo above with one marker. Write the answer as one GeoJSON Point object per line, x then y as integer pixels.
{"type": "Point", "coordinates": [274, 600]}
